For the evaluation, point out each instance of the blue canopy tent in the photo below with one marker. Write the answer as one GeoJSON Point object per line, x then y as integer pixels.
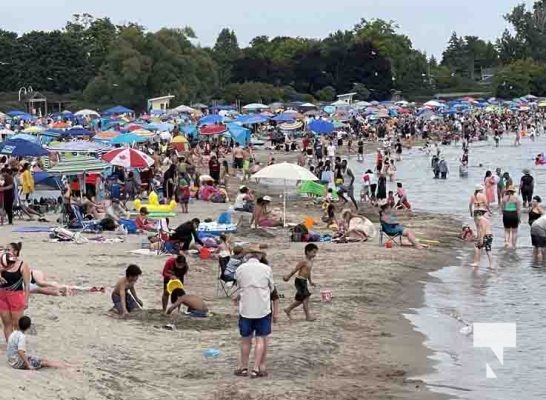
{"type": "Point", "coordinates": [321, 126]}
{"type": "Point", "coordinates": [239, 134]}
{"type": "Point", "coordinates": [15, 113]}
{"type": "Point", "coordinates": [211, 119]}
{"type": "Point", "coordinates": [118, 110]}
{"type": "Point", "coordinates": [43, 178]}
{"type": "Point", "coordinates": [22, 148]}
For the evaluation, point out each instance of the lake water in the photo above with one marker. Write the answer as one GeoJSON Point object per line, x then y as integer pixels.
{"type": "Point", "coordinates": [461, 295]}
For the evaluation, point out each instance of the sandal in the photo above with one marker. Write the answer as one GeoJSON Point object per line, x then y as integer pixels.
{"type": "Point", "coordinates": [258, 374]}
{"type": "Point", "coordinates": [241, 372]}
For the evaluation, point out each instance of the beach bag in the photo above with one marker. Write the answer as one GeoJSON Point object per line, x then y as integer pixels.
{"type": "Point", "coordinates": [129, 225]}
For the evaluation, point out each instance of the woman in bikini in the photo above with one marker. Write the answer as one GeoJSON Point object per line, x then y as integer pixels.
{"type": "Point", "coordinates": [511, 217]}
{"type": "Point", "coordinates": [14, 287]}
{"type": "Point", "coordinates": [478, 205]}
{"type": "Point", "coordinates": [261, 217]}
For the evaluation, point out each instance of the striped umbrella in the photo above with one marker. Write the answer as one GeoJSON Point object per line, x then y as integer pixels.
{"type": "Point", "coordinates": [128, 158]}
{"type": "Point", "coordinates": [291, 126]}
{"type": "Point", "coordinates": [77, 165]}
{"type": "Point", "coordinates": [143, 132]}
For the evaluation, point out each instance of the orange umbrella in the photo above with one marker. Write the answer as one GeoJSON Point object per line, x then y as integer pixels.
{"type": "Point", "coordinates": [180, 143]}
{"type": "Point", "coordinates": [106, 135]}
{"type": "Point", "coordinates": [59, 125]}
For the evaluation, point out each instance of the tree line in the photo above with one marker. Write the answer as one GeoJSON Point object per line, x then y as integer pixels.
{"type": "Point", "coordinates": [101, 63]}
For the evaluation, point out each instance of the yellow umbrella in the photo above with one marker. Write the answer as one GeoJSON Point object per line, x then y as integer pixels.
{"type": "Point", "coordinates": [33, 129]}
{"type": "Point", "coordinates": [180, 139]}
{"type": "Point", "coordinates": [542, 103]}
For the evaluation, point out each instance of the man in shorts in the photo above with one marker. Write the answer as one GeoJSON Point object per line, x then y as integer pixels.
{"type": "Point", "coordinates": [538, 237]}
{"type": "Point", "coordinates": [255, 281]}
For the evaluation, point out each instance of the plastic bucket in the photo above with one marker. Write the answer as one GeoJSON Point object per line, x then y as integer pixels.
{"type": "Point", "coordinates": [174, 284]}
{"type": "Point", "coordinates": [388, 244]}
{"type": "Point", "coordinates": [204, 254]}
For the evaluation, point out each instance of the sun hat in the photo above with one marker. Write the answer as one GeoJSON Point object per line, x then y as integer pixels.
{"type": "Point", "coordinates": [266, 198]}
{"type": "Point", "coordinates": [479, 187]}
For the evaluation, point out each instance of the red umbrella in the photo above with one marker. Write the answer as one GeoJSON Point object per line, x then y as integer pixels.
{"type": "Point", "coordinates": [213, 129]}
{"type": "Point", "coordinates": [128, 158]}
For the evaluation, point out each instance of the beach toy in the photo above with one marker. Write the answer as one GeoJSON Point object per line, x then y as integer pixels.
{"type": "Point", "coordinates": [153, 205]}
{"type": "Point", "coordinates": [326, 296]}
{"type": "Point", "coordinates": [174, 284]}
{"type": "Point", "coordinates": [204, 254]}
{"type": "Point", "coordinates": [212, 353]}
{"type": "Point", "coordinates": [309, 222]}
{"type": "Point", "coordinates": [388, 244]}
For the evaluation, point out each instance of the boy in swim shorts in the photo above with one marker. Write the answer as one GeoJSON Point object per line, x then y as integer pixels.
{"type": "Point", "coordinates": [124, 296]}
{"type": "Point", "coordinates": [485, 241]}
{"type": "Point", "coordinates": [302, 279]}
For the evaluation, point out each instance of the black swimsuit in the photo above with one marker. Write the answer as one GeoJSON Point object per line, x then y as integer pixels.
{"type": "Point", "coordinates": [533, 216]}
{"type": "Point", "coordinates": [13, 280]}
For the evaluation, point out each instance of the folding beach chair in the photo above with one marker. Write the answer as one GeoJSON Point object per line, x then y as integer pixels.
{"type": "Point", "coordinates": [225, 284]}
{"type": "Point", "coordinates": [166, 245]}
{"type": "Point", "coordinates": [80, 223]}
{"type": "Point", "coordinates": [396, 238]}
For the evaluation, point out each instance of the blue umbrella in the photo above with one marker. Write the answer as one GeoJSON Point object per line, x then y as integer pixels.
{"type": "Point", "coordinates": [211, 119]}
{"type": "Point", "coordinates": [26, 136]}
{"type": "Point", "coordinates": [321, 126]}
{"type": "Point", "coordinates": [118, 110]}
{"type": "Point", "coordinates": [77, 132]}
{"type": "Point", "coordinates": [251, 119]}
{"type": "Point", "coordinates": [128, 138]}
{"type": "Point", "coordinates": [283, 118]}
{"type": "Point", "coordinates": [189, 129]}
{"type": "Point", "coordinates": [22, 148]}
{"type": "Point", "coordinates": [15, 113]}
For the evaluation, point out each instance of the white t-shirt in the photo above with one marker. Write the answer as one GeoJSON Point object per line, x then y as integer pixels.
{"type": "Point", "coordinates": [331, 149]}
{"type": "Point", "coordinates": [239, 201]}
{"type": "Point", "coordinates": [17, 341]}
{"type": "Point", "coordinates": [255, 281]}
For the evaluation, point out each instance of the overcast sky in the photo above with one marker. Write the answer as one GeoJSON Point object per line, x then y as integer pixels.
{"type": "Point", "coordinates": [428, 23]}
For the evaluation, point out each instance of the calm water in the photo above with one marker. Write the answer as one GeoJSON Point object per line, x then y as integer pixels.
{"type": "Point", "coordinates": [515, 293]}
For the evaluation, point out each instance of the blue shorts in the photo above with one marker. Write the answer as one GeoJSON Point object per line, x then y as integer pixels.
{"type": "Point", "coordinates": [257, 326]}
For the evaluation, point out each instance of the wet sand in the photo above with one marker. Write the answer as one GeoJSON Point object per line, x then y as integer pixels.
{"type": "Point", "coordinates": [360, 347]}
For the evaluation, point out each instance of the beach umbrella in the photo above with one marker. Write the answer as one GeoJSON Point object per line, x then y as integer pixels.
{"type": "Point", "coordinates": [26, 136]}
{"type": "Point", "coordinates": [185, 109]}
{"type": "Point", "coordinates": [106, 135]}
{"type": "Point", "coordinates": [128, 158]}
{"type": "Point", "coordinates": [78, 165]}
{"type": "Point", "coordinates": [77, 131]}
{"type": "Point", "coordinates": [542, 103]}
{"type": "Point", "coordinates": [22, 148]}
{"type": "Point", "coordinates": [211, 119]}
{"type": "Point", "coordinates": [33, 129]}
{"type": "Point", "coordinates": [291, 126]}
{"type": "Point", "coordinates": [59, 125]}
{"type": "Point", "coordinates": [180, 143]}
{"type": "Point", "coordinates": [286, 172]}
{"type": "Point", "coordinates": [118, 110]}
{"type": "Point", "coordinates": [284, 118]}
{"type": "Point", "coordinates": [321, 126]}
{"type": "Point", "coordinates": [255, 107]}
{"type": "Point", "coordinates": [128, 138]}
{"type": "Point", "coordinates": [88, 113]}
{"type": "Point", "coordinates": [78, 146]}
{"type": "Point", "coordinates": [308, 105]}
{"type": "Point", "coordinates": [251, 119]}
{"type": "Point", "coordinates": [143, 132]}
{"type": "Point", "coordinates": [213, 129]}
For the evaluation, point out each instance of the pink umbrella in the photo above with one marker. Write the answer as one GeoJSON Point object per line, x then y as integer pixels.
{"type": "Point", "coordinates": [128, 158]}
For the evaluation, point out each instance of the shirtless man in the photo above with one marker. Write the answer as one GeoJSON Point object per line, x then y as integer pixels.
{"type": "Point", "coordinates": [485, 240]}
{"type": "Point", "coordinates": [238, 157]}
{"type": "Point", "coordinates": [304, 276]}
{"type": "Point", "coordinates": [124, 296]}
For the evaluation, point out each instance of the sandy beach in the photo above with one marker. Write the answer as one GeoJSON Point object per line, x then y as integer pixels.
{"type": "Point", "coordinates": [361, 346]}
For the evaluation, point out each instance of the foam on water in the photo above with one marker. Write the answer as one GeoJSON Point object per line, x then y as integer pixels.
{"type": "Point", "coordinates": [461, 296]}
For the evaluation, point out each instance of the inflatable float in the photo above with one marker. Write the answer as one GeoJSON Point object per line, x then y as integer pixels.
{"type": "Point", "coordinates": [153, 206]}
{"type": "Point", "coordinates": [214, 228]}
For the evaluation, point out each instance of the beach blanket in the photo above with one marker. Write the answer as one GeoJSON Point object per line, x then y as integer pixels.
{"type": "Point", "coordinates": [32, 229]}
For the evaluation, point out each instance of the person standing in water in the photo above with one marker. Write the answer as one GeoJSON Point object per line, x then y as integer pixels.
{"type": "Point", "coordinates": [485, 241]}
{"type": "Point", "coordinates": [490, 184]}
{"type": "Point", "coordinates": [511, 217]}
{"type": "Point", "coordinates": [526, 187]}
{"type": "Point", "coordinates": [478, 205]}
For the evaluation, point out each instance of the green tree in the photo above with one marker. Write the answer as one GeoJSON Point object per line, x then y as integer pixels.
{"type": "Point", "coordinates": [226, 52]}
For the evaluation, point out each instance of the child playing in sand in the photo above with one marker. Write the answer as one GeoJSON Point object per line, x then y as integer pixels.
{"type": "Point", "coordinates": [124, 295]}
{"type": "Point", "coordinates": [17, 350]}
{"type": "Point", "coordinates": [485, 240]}
{"type": "Point", "coordinates": [196, 305]}
{"type": "Point", "coordinates": [304, 276]}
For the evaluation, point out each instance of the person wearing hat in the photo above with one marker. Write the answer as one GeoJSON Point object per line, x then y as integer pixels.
{"type": "Point", "coordinates": [478, 204]}
{"type": "Point", "coordinates": [526, 187]}
{"type": "Point", "coordinates": [511, 216]}
{"type": "Point", "coordinates": [261, 216]}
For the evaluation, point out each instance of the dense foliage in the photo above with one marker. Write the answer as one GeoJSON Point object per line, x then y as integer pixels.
{"type": "Point", "coordinates": [104, 64]}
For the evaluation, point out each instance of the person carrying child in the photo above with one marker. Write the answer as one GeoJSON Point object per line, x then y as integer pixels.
{"type": "Point", "coordinates": [303, 268]}
{"type": "Point", "coordinates": [16, 350]}
{"type": "Point", "coordinates": [124, 296]}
